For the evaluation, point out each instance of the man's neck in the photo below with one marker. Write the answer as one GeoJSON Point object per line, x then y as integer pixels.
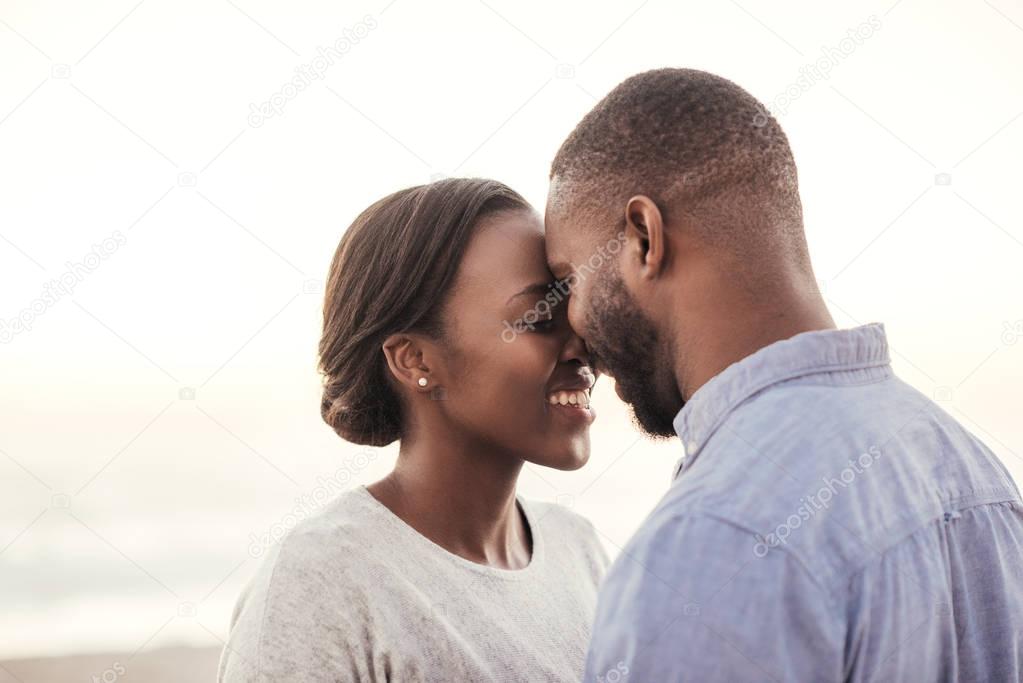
{"type": "Point", "coordinates": [720, 340]}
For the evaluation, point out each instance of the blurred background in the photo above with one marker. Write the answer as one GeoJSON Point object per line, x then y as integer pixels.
{"type": "Point", "coordinates": [174, 178]}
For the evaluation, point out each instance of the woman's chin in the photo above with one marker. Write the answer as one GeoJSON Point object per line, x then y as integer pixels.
{"type": "Point", "coordinates": [566, 462]}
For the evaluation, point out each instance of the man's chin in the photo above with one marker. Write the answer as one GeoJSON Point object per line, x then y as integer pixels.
{"type": "Point", "coordinates": [650, 419]}
{"type": "Point", "coordinates": [653, 427]}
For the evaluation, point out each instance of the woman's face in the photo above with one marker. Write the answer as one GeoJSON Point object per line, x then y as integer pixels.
{"type": "Point", "coordinates": [517, 377]}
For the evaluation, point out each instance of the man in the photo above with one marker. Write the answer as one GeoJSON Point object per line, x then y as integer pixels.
{"type": "Point", "coordinates": [828, 522]}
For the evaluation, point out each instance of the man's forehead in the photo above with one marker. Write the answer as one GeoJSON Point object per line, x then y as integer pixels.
{"type": "Point", "coordinates": [556, 233]}
{"type": "Point", "coordinates": [566, 224]}
{"type": "Point", "coordinates": [559, 212]}
{"type": "Point", "coordinates": [565, 246]}
{"type": "Point", "coordinates": [557, 196]}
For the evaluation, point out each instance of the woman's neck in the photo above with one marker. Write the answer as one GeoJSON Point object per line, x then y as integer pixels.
{"type": "Point", "coordinates": [461, 499]}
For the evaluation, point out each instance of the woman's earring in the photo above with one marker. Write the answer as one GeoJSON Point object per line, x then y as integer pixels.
{"type": "Point", "coordinates": [423, 381]}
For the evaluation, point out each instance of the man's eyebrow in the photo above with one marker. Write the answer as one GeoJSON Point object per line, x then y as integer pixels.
{"type": "Point", "coordinates": [535, 288]}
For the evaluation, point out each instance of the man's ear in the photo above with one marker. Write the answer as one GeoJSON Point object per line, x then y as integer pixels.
{"type": "Point", "coordinates": [644, 236]}
{"type": "Point", "coordinates": [407, 362]}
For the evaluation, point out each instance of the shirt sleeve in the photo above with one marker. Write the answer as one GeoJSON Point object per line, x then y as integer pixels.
{"type": "Point", "coordinates": [692, 599]}
{"type": "Point", "coordinates": [287, 626]}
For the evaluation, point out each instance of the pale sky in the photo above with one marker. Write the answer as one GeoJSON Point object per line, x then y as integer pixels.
{"type": "Point", "coordinates": [166, 409]}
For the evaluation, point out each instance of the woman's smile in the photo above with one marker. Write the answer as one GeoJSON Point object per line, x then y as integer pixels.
{"type": "Point", "coordinates": [578, 413]}
{"type": "Point", "coordinates": [571, 400]}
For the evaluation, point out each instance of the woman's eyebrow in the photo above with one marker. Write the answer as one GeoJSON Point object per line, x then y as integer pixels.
{"type": "Point", "coordinates": [535, 288]}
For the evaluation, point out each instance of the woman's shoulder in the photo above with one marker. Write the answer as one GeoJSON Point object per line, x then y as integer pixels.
{"type": "Point", "coordinates": [340, 532]}
{"type": "Point", "coordinates": [314, 580]}
{"type": "Point", "coordinates": [317, 550]}
{"type": "Point", "coordinates": [564, 528]}
{"type": "Point", "coordinates": [549, 515]}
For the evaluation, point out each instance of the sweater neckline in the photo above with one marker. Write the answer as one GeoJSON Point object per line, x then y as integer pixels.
{"type": "Point", "coordinates": [402, 527]}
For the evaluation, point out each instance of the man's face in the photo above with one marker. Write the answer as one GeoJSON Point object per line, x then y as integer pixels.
{"type": "Point", "coordinates": [623, 341]}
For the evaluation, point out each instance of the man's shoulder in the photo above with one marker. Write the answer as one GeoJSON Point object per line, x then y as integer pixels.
{"type": "Point", "coordinates": [785, 463]}
{"type": "Point", "coordinates": [824, 471]}
{"type": "Point", "coordinates": [684, 554]}
{"type": "Point", "coordinates": [770, 450]}
{"type": "Point", "coordinates": [690, 589]}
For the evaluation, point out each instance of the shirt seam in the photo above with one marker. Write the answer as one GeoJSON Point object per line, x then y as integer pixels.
{"type": "Point", "coordinates": [981, 497]}
{"type": "Point", "coordinates": [987, 495]}
{"type": "Point", "coordinates": [828, 595]}
{"type": "Point", "coordinates": [924, 526]}
{"type": "Point", "coordinates": [713, 516]}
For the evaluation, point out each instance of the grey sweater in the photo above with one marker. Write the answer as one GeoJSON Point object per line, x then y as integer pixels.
{"type": "Point", "coordinates": [355, 594]}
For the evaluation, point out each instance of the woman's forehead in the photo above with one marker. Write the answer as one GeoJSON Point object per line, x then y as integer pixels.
{"type": "Point", "coordinates": [507, 251]}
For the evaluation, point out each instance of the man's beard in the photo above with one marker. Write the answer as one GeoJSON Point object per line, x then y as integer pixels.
{"type": "Point", "coordinates": [626, 343]}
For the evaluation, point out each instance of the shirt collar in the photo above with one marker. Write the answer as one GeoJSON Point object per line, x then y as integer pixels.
{"type": "Point", "coordinates": [804, 354]}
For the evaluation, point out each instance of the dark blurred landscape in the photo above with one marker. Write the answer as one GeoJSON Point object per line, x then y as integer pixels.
{"type": "Point", "coordinates": [176, 664]}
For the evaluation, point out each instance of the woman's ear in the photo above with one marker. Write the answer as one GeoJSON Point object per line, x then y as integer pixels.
{"type": "Point", "coordinates": [407, 362]}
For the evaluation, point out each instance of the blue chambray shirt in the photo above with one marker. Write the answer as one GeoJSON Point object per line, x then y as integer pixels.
{"type": "Point", "coordinates": [828, 523]}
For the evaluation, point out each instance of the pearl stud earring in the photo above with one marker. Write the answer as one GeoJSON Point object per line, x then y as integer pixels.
{"type": "Point", "coordinates": [423, 381]}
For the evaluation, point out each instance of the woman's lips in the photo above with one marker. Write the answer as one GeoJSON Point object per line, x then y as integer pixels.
{"type": "Point", "coordinates": [580, 411]}
{"type": "Point", "coordinates": [570, 397]}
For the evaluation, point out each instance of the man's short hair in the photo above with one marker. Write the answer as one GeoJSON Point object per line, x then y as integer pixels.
{"type": "Point", "coordinates": [697, 144]}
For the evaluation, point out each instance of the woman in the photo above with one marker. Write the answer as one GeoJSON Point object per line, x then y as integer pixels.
{"type": "Point", "coordinates": [444, 330]}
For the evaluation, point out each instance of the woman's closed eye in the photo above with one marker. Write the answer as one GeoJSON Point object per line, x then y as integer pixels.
{"type": "Point", "coordinates": [545, 324]}
{"type": "Point", "coordinates": [549, 317]}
